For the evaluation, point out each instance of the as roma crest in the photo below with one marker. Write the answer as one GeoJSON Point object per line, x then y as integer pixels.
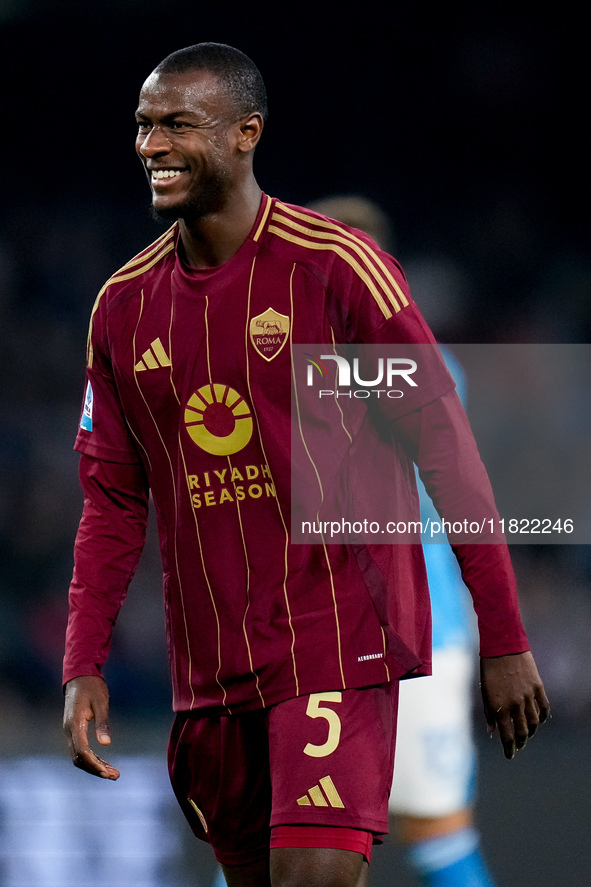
{"type": "Point", "coordinates": [268, 333]}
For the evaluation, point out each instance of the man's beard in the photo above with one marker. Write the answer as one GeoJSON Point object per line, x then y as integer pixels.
{"type": "Point", "coordinates": [209, 199]}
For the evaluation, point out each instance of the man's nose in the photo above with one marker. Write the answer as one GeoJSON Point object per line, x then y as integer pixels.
{"type": "Point", "coordinates": [155, 142]}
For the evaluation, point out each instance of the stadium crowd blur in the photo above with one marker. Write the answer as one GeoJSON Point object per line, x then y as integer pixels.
{"type": "Point", "coordinates": [480, 229]}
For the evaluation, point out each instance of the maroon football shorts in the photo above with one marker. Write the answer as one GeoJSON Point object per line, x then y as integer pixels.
{"type": "Point", "coordinates": [319, 760]}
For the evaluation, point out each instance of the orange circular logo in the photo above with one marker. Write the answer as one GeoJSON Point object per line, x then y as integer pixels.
{"type": "Point", "coordinates": [218, 419]}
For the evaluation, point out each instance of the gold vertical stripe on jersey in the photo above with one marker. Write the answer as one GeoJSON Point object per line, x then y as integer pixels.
{"type": "Point", "coordinates": [349, 259]}
{"type": "Point", "coordinates": [336, 400]}
{"type": "Point", "coordinates": [140, 444]}
{"type": "Point", "coordinates": [336, 611]}
{"type": "Point", "coordinates": [208, 583]}
{"type": "Point", "coordinates": [247, 608]}
{"type": "Point", "coordinates": [293, 637]}
{"type": "Point", "coordinates": [255, 414]}
{"type": "Point", "coordinates": [175, 492]}
{"type": "Point", "coordinates": [246, 561]}
{"type": "Point", "coordinates": [207, 394]}
{"type": "Point", "coordinates": [118, 278]}
{"type": "Point", "coordinates": [169, 358]}
{"type": "Point", "coordinates": [217, 676]}
{"type": "Point", "coordinates": [340, 236]}
{"type": "Point", "coordinates": [385, 663]}
{"type": "Point", "coordinates": [322, 223]}
{"type": "Point", "coordinates": [244, 548]}
{"type": "Point", "coordinates": [135, 437]}
{"type": "Point", "coordinates": [333, 590]}
{"type": "Point", "coordinates": [264, 218]}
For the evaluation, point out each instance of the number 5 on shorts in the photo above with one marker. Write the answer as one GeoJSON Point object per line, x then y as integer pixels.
{"type": "Point", "coordinates": [314, 710]}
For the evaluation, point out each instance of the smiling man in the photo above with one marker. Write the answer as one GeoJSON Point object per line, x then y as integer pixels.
{"type": "Point", "coordinates": [285, 658]}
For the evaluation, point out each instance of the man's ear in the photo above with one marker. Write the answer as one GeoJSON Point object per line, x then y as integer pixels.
{"type": "Point", "coordinates": [251, 128]}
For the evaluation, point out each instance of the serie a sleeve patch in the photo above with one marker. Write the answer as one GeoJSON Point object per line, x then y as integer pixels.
{"type": "Point", "coordinates": [86, 420]}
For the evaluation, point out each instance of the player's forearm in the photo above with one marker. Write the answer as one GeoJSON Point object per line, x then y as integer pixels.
{"type": "Point", "coordinates": [488, 573]}
{"type": "Point", "coordinates": [441, 442]}
{"type": "Point", "coordinates": [452, 471]}
{"type": "Point", "coordinates": [108, 546]}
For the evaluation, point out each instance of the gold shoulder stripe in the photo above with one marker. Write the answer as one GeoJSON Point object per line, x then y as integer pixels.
{"type": "Point", "coordinates": [323, 223]}
{"type": "Point", "coordinates": [89, 348]}
{"type": "Point", "coordinates": [325, 235]}
{"type": "Point", "coordinates": [334, 247]}
{"type": "Point", "coordinates": [264, 218]}
{"type": "Point", "coordinates": [137, 260]}
{"type": "Point", "coordinates": [148, 251]}
{"type": "Point", "coordinates": [165, 247]}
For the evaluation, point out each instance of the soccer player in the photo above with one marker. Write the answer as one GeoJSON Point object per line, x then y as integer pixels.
{"type": "Point", "coordinates": [433, 785]}
{"type": "Point", "coordinates": [284, 658]}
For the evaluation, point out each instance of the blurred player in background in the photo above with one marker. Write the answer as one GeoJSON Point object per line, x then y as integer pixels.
{"type": "Point", "coordinates": [434, 768]}
{"type": "Point", "coordinates": [284, 658]}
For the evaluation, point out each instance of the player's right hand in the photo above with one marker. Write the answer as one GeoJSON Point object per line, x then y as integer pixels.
{"type": "Point", "coordinates": [87, 699]}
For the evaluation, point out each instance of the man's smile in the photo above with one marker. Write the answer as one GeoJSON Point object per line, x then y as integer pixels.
{"type": "Point", "coordinates": [164, 174]}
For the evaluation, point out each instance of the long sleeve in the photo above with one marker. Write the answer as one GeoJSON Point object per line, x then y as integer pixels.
{"type": "Point", "coordinates": [107, 550]}
{"type": "Point", "coordinates": [440, 441]}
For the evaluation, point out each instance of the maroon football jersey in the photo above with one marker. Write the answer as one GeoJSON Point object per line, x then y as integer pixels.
{"type": "Point", "coordinates": [189, 376]}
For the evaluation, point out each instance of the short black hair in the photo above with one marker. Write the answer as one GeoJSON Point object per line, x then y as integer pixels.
{"type": "Point", "coordinates": [239, 74]}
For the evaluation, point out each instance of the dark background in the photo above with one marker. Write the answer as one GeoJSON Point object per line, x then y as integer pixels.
{"type": "Point", "coordinates": [466, 122]}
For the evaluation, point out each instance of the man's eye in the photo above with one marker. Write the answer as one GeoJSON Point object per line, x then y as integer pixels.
{"type": "Point", "coordinates": [143, 127]}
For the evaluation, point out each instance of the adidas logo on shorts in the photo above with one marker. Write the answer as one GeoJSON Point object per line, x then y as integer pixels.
{"type": "Point", "coordinates": [329, 798]}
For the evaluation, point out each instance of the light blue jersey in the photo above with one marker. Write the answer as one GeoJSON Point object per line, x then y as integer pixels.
{"type": "Point", "coordinates": [453, 616]}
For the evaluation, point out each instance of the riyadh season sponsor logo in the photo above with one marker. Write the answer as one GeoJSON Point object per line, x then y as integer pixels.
{"type": "Point", "coordinates": [392, 376]}
{"type": "Point", "coordinates": [218, 420]}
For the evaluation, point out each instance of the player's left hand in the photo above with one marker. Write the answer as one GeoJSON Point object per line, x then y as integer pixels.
{"type": "Point", "coordinates": [514, 698]}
